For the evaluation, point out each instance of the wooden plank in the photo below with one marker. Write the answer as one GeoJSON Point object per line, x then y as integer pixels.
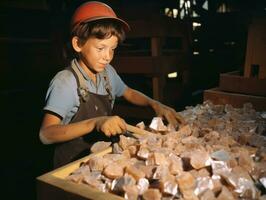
{"type": "Point", "coordinates": [137, 130]}
{"type": "Point", "coordinates": [233, 82]}
{"type": "Point", "coordinates": [28, 40]}
{"type": "Point", "coordinates": [54, 186]}
{"type": "Point", "coordinates": [235, 99]}
{"type": "Point", "coordinates": [134, 65]}
{"type": "Point", "coordinates": [156, 86]}
{"type": "Point", "coordinates": [146, 64]}
{"type": "Point", "coordinates": [156, 46]}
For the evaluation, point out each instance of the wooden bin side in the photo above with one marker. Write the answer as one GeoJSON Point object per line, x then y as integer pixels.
{"type": "Point", "coordinates": [233, 82]}
{"type": "Point", "coordinates": [235, 99]}
{"type": "Point", "coordinates": [54, 186]}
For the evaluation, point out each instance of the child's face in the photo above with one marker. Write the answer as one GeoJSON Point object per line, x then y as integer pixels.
{"type": "Point", "coordinates": [97, 53]}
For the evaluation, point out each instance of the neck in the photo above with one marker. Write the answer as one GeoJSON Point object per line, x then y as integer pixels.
{"type": "Point", "coordinates": [88, 71]}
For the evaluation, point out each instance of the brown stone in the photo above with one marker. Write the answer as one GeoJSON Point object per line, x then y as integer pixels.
{"type": "Point", "coordinates": [100, 146]}
{"type": "Point", "coordinates": [135, 172]}
{"type": "Point", "coordinates": [152, 194]}
{"type": "Point", "coordinates": [208, 195]}
{"type": "Point", "coordinates": [225, 195]}
{"type": "Point", "coordinates": [113, 171]}
{"type": "Point", "coordinates": [186, 181]}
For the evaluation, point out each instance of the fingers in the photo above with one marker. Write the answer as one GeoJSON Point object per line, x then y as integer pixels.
{"type": "Point", "coordinates": [170, 117]}
{"type": "Point", "coordinates": [180, 119]}
{"type": "Point", "coordinates": [173, 117]}
{"type": "Point", "coordinates": [113, 126]}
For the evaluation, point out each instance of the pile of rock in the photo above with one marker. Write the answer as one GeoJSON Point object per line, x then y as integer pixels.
{"type": "Point", "coordinates": [220, 154]}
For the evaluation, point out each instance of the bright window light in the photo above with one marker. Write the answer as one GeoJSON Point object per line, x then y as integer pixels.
{"type": "Point", "coordinates": [166, 10]}
{"type": "Point", "coordinates": [205, 5]}
{"type": "Point", "coordinates": [194, 14]}
{"type": "Point", "coordinates": [175, 12]}
{"type": "Point", "coordinates": [188, 4]}
{"type": "Point", "coordinates": [181, 2]}
{"type": "Point", "coordinates": [172, 75]}
{"type": "Point", "coordinates": [196, 24]}
{"type": "Point", "coordinates": [195, 53]}
{"type": "Point", "coordinates": [182, 14]}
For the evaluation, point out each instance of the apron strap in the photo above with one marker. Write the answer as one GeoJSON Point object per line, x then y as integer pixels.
{"type": "Point", "coordinates": [82, 87]}
{"type": "Point", "coordinates": [83, 90]}
{"type": "Point", "coordinates": [107, 86]}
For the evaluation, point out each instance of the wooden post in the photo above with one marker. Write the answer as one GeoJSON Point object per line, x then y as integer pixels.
{"type": "Point", "coordinates": [157, 79]}
{"type": "Point", "coordinates": [255, 63]}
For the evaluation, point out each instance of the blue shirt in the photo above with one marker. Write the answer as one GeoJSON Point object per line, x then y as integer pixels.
{"type": "Point", "coordinates": [62, 97]}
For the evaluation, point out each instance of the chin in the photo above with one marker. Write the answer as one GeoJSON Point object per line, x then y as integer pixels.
{"type": "Point", "coordinates": [100, 69]}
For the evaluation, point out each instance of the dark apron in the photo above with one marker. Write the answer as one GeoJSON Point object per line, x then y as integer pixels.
{"type": "Point", "coordinates": [91, 105]}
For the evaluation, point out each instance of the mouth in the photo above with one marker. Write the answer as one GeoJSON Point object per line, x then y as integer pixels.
{"type": "Point", "coordinates": [103, 64]}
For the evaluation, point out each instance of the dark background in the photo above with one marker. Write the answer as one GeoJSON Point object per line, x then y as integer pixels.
{"type": "Point", "coordinates": [31, 35]}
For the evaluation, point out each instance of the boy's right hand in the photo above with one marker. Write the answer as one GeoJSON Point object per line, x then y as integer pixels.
{"type": "Point", "coordinates": [111, 125]}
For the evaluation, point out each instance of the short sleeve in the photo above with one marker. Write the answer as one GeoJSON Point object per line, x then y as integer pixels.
{"type": "Point", "coordinates": [61, 94]}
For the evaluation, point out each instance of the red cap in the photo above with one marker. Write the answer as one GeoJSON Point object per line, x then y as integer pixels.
{"type": "Point", "coordinates": [94, 10]}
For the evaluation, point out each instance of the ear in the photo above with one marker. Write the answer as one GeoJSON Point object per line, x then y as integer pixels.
{"type": "Point", "coordinates": [75, 44]}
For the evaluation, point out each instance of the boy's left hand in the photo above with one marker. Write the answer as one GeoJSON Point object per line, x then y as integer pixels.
{"type": "Point", "coordinates": [169, 114]}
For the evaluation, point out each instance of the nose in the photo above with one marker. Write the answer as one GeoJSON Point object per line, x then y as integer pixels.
{"type": "Point", "coordinates": [108, 55]}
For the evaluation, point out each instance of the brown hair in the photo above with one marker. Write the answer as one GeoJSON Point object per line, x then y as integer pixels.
{"type": "Point", "coordinates": [100, 29]}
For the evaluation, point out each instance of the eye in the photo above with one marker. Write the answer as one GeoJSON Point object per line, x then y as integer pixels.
{"type": "Point", "coordinates": [100, 48]}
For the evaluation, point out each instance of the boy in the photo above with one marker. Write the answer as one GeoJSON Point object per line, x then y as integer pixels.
{"type": "Point", "coordinates": [80, 98]}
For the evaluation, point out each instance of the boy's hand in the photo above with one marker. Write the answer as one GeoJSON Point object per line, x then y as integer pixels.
{"type": "Point", "coordinates": [169, 114]}
{"type": "Point", "coordinates": [111, 125]}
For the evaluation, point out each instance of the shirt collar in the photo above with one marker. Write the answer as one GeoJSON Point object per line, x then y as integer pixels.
{"type": "Point", "coordinates": [75, 62]}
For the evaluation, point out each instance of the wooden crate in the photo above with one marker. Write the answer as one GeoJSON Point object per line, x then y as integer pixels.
{"type": "Point", "coordinates": [235, 99]}
{"type": "Point", "coordinates": [237, 90]}
{"type": "Point", "coordinates": [234, 82]}
{"type": "Point", "coordinates": [54, 186]}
